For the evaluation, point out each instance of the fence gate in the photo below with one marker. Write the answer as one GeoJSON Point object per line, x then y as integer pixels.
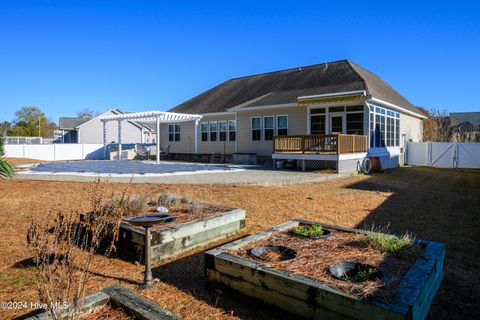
{"type": "Point", "coordinates": [444, 154]}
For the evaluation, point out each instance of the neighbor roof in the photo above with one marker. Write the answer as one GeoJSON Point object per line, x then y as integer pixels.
{"type": "Point", "coordinates": [70, 123]}
{"type": "Point", "coordinates": [457, 118]}
{"type": "Point", "coordinates": [285, 86]}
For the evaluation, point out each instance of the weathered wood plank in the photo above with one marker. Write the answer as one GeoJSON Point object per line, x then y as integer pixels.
{"type": "Point", "coordinates": [285, 289]}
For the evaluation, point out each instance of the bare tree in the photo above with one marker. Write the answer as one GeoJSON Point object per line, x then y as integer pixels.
{"type": "Point", "coordinates": [87, 113]}
{"type": "Point", "coordinates": [437, 127]}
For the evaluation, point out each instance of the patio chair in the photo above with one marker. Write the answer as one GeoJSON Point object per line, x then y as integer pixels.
{"type": "Point", "coordinates": [142, 151]}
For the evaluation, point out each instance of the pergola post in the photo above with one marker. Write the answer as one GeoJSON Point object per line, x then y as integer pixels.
{"type": "Point", "coordinates": [119, 139]}
{"type": "Point", "coordinates": [158, 138]}
{"type": "Point", "coordinates": [104, 140]}
{"type": "Point", "coordinates": [196, 136]}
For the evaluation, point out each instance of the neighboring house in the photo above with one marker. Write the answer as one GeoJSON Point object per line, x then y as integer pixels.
{"type": "Point", "coordinates": [90, 130]}
{"type": "Point", "coordinates": [465, 126]}
{"type": "Point", "coordinates": [330, 112]}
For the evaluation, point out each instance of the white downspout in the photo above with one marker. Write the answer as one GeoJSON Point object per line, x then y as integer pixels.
{"type": "Point", "coordinates": [119, 139]}
{"type": "Point", "coordinates": [196, 136]}
{"type": "Point", "coordinates": [158, 139]}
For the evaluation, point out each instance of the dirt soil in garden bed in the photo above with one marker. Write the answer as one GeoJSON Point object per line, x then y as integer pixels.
{"type": "Point", "coordinates": [181, 213]}
{"type": "Point", "coordinates": [315, 256]}
{"type": "Point", "coordinates": [434, 204]}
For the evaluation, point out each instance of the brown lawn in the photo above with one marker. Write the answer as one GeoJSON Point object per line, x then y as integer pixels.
{"type": "Point", "coordinates": [439, 205]}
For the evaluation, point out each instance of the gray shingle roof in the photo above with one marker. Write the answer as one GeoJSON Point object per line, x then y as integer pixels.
{"type": "Point", "coordinates": [457, 118]}
{"type": "Point", "coordinates": [286, 86]}
{"type": "Point", "coordinates": [70, 123]}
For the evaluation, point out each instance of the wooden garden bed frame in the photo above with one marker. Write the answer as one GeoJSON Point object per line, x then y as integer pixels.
{"type": "Point", "coordinates": [315, 299]}
{"type": "Point", "coordinates": [171, 241]}
{"type": "Point", "coordinates": [117, 296]}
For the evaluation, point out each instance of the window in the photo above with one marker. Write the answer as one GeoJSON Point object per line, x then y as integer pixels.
{"type": "Point", "coordinates": [268, 127]}
{"type": "Point", "coordinates": [204, 131]}
{"type": "Point", "coordinates": [222, 129]}
{"type": "Point", "coordinates": [232, 130]}
{"type": "Point", "coordinates": [256, 129]}
{"type": "Point", "coordinates": [355, 123]}
{"type": "Point", "coordinates": [336, 109]}
{"type": "Point", "coordinates": [317, 124]}
{"type": "Point", "coordinates": [282, 125]}
{"type": "Point", "coordinates": [213, 130]}
{"type": "Point", "coordinates": [384, 127]}
{"type": "Point", "coordinates": [173, 132]}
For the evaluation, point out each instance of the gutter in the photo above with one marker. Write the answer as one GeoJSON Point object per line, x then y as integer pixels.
{"type": "Point", "coordinates": [336, 94]}
{"type": "Point", "coordinates": [394, 106]}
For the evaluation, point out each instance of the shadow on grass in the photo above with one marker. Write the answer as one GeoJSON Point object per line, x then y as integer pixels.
{"type": "Point", "coordinates": [187, 274]}
{"type": "Point", "coordinates": [436, 205]}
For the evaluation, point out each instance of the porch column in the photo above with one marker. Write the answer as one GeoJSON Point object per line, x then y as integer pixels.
{"type": "Point", "coordinates": [158, 139]}
{"type": "Point", "coordinates": [119, 139]}
{"type": "Point", "coordinates": [104, 140]}
{"type": "Point", "coordinates": [63, 136]}
{"type": "Point", "coordinates": [196, 136]}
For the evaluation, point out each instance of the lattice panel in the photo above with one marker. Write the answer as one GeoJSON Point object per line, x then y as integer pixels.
{"type": "Point", "coordinates": [312, 165]}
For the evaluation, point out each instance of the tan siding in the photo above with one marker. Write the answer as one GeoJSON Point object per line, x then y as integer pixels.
{"type": "Point", "coordinates": [187, 138]}
{"type": "Point", "coordinates": [210, 147]}
{"type": "Point", "coordinates": [411, 127]}
{"type": "Point", "coordinates": [297, 124]}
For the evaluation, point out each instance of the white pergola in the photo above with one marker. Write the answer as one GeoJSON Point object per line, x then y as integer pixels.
{"type": "Point", "coordinates": [149, 116]}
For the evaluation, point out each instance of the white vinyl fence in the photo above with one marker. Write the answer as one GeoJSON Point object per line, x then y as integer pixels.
{"type": "Point", "coordinates": [444, 154]}
{"type": "Point", "coordinates": [57, 151]}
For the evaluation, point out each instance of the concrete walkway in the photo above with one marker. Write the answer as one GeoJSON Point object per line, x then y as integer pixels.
{"type": "Point", "coordinates": [253, 175]}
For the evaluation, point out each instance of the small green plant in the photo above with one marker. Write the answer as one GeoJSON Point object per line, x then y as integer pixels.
{"type": "Point", "coordinates": [403, 245]}
{"type": "Point", "coordinates": [6, 169]}
{"type": "Point", "coordinates": [168, 200]}
{"type": "Point", "coordinates": [313, 230]}
{"type": "Point", "coordinates": [363, 274]}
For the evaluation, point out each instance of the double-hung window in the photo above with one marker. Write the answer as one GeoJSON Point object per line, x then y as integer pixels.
{"type": "Point", "coordinates": [282, 125]}
{"type": "Point", "coordinates": [213, 130]}
{"type": "Point", "coordinates": [232, 130]}
{"type": "Point", "coordinates": [204, 131]}
{"type": "Point", "coordinates": [222, 129]}
{"type": "Point", "coordinates": [268, 127]}
{"type": "Point", "coordinates": [173, 132]}
{"type": "Point", "coordinates": [256, 127]}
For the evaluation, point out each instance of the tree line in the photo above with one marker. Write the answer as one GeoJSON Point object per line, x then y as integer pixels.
{"type": "Point", "coordinates": [31, 121]}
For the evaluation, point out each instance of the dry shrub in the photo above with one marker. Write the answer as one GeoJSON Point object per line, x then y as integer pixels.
{"type": "Point", "coordinates": [168, 200]}
{"type": "Point", "coordinates": [64, 253]}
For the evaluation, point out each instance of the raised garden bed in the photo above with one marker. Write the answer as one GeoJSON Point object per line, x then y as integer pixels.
{"type": "Point", "coordinates": [117, 302]}
{"type": "Point", "coordinates": [341, 276]}
{"type": "Point", "coordinates": [191, 226]}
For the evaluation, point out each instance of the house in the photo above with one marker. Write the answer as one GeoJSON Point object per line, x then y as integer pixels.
{"type": "Point", "coordinates": [331, 113]}
{"type": "Point", "coordinates": [90, 130]}
{"type": "Point", "coordinates": [465, 126]}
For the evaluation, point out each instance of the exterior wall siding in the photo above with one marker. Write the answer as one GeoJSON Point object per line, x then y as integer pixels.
{"type": "Point", "coordinates": [187, 138]}
{"type": "Point", "coordinates": [412, 128]}
{"type": "Point", "coordinates": [211, 147]}
{"type": "Point", "coordinates": [92, 132]}
{"type": "Point", "coordinates": [297, 125]}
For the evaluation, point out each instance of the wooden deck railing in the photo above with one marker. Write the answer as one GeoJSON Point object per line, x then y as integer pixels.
{"type": "Point", "coordinates": [321, 143]}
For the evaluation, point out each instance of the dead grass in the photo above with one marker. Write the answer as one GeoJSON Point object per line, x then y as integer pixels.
{"type": "Point", "coordinates": [23, 161]}
{"type": "Point", "coordinates": [438, 205]}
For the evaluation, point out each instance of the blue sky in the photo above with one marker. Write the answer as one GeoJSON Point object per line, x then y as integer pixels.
{"type": "Point", "coordinates": [144, 55]}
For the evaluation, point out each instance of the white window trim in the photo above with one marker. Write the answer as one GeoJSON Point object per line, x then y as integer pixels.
{"type": "Point", "coordinates": [276, 123]}
{"type": "Point", "coordinates": [174, 132]}
{"type": "Point", "coordinates": [228, 129]}
{"type": "Point", "coordinates": [394, 116]}
{"type": "Point", "coordinates": [219, 130]}
{"type": "Point", "coordinates": [263, 127]}
{"type": "Point", "coordinates": [208, 131]}
{"type": "Point", "coordinates": [251, 128]}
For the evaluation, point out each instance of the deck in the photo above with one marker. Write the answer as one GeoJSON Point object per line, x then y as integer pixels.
{"type": "Point", "coordinates": [334, 144]}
